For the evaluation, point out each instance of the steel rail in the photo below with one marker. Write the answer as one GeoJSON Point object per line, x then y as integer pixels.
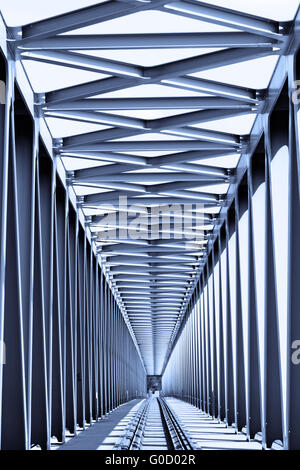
{"type": "Point", "coordinates": [176, 437]}
{"type": "Point", "coordinates": [180, 437]}
{"type": "Point", "coordinates": [131, 432]}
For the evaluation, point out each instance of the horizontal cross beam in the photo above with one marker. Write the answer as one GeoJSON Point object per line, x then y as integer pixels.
{"type": "Point", "coordinates": [142, 177]}
{"type": "Point", "coordinates": [101, 104]}
{"type": "Point", "coordinates": [158, 145]}
{"type": "Point", "coordinates": [147, 41]}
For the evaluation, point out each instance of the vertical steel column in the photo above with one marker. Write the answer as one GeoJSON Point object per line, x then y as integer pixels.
{"type": "Point", "coordinates": [248, 304]}
{"type": "Point", "coordinates": [207, 343]}
{"type": "Point", "coordinates": [221, 345]}
{"type": "Point", "coordinates": [239, 359]}
{"type": "Point", "coordinates": [14, 385]}
{"type": "Point", "coordinates": [228, 339]}
{"type": "Point", "coordinates": [109, 357]}
{"type": "Point", "coordinates": [96, 340]}
{"type": "Point", "coordinates": [276, 136]}
{"type": "Point", "coordinates": [115, 331]}
{"type": "Point", "coordinates": [70, 346]}
{"type": "Point", "coordinates": [39, 392]}
{"type": "Point", "coordinates": [105, 348]}
{"type": "Point", "coordinates": [214, 372]}
{"type": "Point", "coordinates": [114, 352]}
{"type": "Point", "coordinates": [118, 357]}
{"type": "Point", "coordinates": [81, 369]}
{"type": "Point", "coordinates": [5, 149]}
{"type": "Point", "coordinates": [199, 352]}
{"type": "Point", "coordinates": [94, 388]}
{"type": "Point", "coordinates": [47, 181]}
{"type": "Point", "coordinates": [194, 352]}
{"type": "Point", "coordinates": [202, 352]}
{"type": "Point", "coordinates": [111, 332]}
{"type": "Point", "coordinates": [87, 332]}
{"type": "Point", "coordinates": [196, 341]}
{"type": "Point", "coordinates": [293, 330]}
{"type": "Point", "coordinates": [189, 352]}
{"type": "Point", "coordinates": [190, 336]}
{"type": "Point", "coordinates": [101, 348]}
{"type": "Point", "coordinates": [58, 404]}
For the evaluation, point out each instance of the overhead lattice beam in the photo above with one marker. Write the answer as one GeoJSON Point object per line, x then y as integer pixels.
{"type": "Point", "coordinates": [225, 17]}
{"type": "Point", "coordinates": [147, 41]}
{"type": "Point", "coordinates": [206, 61]}
{"type": "Point", "coordinates": [85, 17]}
{"type": "Point", "coordinates": [160, 72]}
{"type": "Point", "coordinates": [85, 62]}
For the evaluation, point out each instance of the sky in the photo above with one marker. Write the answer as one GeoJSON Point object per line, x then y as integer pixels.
{"type": "Point", "coordinates": [255, 73]}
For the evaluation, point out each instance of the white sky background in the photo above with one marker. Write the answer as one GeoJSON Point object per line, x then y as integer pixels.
{"type": "Point", "coordinates": [254, 74]}
{"type": "Point", "coordinates": [18, 12]}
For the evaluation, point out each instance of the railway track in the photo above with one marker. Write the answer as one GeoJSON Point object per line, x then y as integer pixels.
{"type": "Point", "coordinates": [155, 425]}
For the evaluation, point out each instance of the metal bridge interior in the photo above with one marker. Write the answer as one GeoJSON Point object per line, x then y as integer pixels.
{"type": "Point", "coordinates": [110, 112]}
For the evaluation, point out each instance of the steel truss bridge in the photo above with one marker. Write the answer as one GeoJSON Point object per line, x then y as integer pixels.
{"type": "Point", "coordinates": [87, 314]}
